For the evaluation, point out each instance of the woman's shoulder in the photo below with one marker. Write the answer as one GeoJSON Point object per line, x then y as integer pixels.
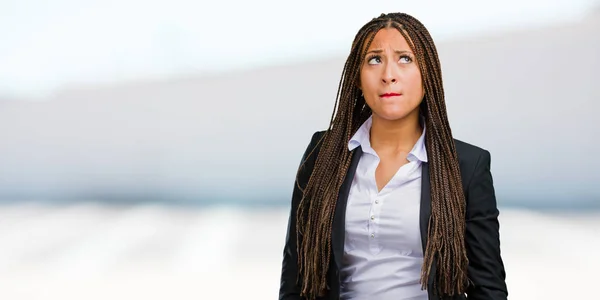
{"type": "Point", "coordinates": [318, 134]}
{"type": "Point", "coordinates": [313, 147]}
{"type": "Point", "coordinates": [315, 140]}
{"type": "Point", "coordinates": [472, 160]}
{"type": "Point", "coordinates": [469, 153]}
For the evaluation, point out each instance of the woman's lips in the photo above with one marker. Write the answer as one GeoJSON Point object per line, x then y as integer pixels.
{"type": "Point", "coordinates": [387, 95]}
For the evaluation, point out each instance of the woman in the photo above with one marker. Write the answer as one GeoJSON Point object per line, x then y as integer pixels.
{"type": "Point", "coordinates": [387, 205]}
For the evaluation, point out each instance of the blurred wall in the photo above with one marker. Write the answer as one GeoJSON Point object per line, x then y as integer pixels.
{"type": "Point", "coordinates": [529, 96]}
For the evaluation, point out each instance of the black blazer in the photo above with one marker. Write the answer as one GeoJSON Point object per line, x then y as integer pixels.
{"type": "Point", "coordinates": [485, 270]}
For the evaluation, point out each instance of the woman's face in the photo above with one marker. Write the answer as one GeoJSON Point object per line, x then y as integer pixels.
{"type": "Point", "coordinates": [390, 78]}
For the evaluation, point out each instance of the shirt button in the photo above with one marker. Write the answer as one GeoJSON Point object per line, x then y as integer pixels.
{"type": "Point", "coordinates": [372, 235]}
{"type": "Point", "coordinates": [376, 201]}
{"type": "Point", "coordinates": [372, 217]}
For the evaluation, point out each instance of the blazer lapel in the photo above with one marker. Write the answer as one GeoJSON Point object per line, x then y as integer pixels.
{"type": "Point", "coordinates": [339, 219]}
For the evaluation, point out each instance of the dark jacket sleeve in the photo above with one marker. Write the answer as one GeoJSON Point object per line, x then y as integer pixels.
{"type": "Point", "coordinates": [486, 269]}
{"type": "Point", "coordinates": [288, 289]}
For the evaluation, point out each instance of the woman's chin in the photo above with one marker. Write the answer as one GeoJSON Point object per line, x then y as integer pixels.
{"type": "Point", "coordinates": [392, 115]}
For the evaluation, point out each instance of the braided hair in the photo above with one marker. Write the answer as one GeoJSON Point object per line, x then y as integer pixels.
{"type": "Point", "coordinates": [446, 226]}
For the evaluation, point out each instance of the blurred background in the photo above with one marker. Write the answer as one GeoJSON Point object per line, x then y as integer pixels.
{"type": "Point", "coordinates": [148, 148]}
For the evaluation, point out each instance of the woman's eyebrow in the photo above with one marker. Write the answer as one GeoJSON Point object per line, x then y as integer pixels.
{"type": "Point", "coordinates": [396, 51]}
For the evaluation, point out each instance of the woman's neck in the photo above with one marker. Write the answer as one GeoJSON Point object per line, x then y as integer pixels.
{"type": "Point", "coordinates": [395, 135]}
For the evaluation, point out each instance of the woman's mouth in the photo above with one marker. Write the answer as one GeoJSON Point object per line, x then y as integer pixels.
{"type": "Point", "coordinates": [387, 95]}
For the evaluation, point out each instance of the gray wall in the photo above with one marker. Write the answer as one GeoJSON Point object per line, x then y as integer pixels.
{"type": "Point", "coordinates": [528, 96]}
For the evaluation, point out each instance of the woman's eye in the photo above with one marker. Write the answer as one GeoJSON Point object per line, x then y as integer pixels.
{"type": "Point", "coordinates": [405, 59]}
{"type": "Point", "coordinates": [374, 60]}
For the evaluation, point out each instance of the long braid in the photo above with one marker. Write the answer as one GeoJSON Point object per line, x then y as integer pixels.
{"type": "Point", "coordinates": [446, 226]}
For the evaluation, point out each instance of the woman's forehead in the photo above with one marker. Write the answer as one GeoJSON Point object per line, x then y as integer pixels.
{"type": "Point", "coordinates": [387, 37]}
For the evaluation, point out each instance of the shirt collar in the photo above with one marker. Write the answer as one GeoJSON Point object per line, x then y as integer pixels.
{"type": "Point", "coordinates": [362, 138]}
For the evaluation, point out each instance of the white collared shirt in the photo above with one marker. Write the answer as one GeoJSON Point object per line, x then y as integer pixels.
{"type": "Point", "coordinates": [382, 247]}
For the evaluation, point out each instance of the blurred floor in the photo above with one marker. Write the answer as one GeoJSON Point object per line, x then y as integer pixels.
{"type": "Point", "coordinates": [90, 251]}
